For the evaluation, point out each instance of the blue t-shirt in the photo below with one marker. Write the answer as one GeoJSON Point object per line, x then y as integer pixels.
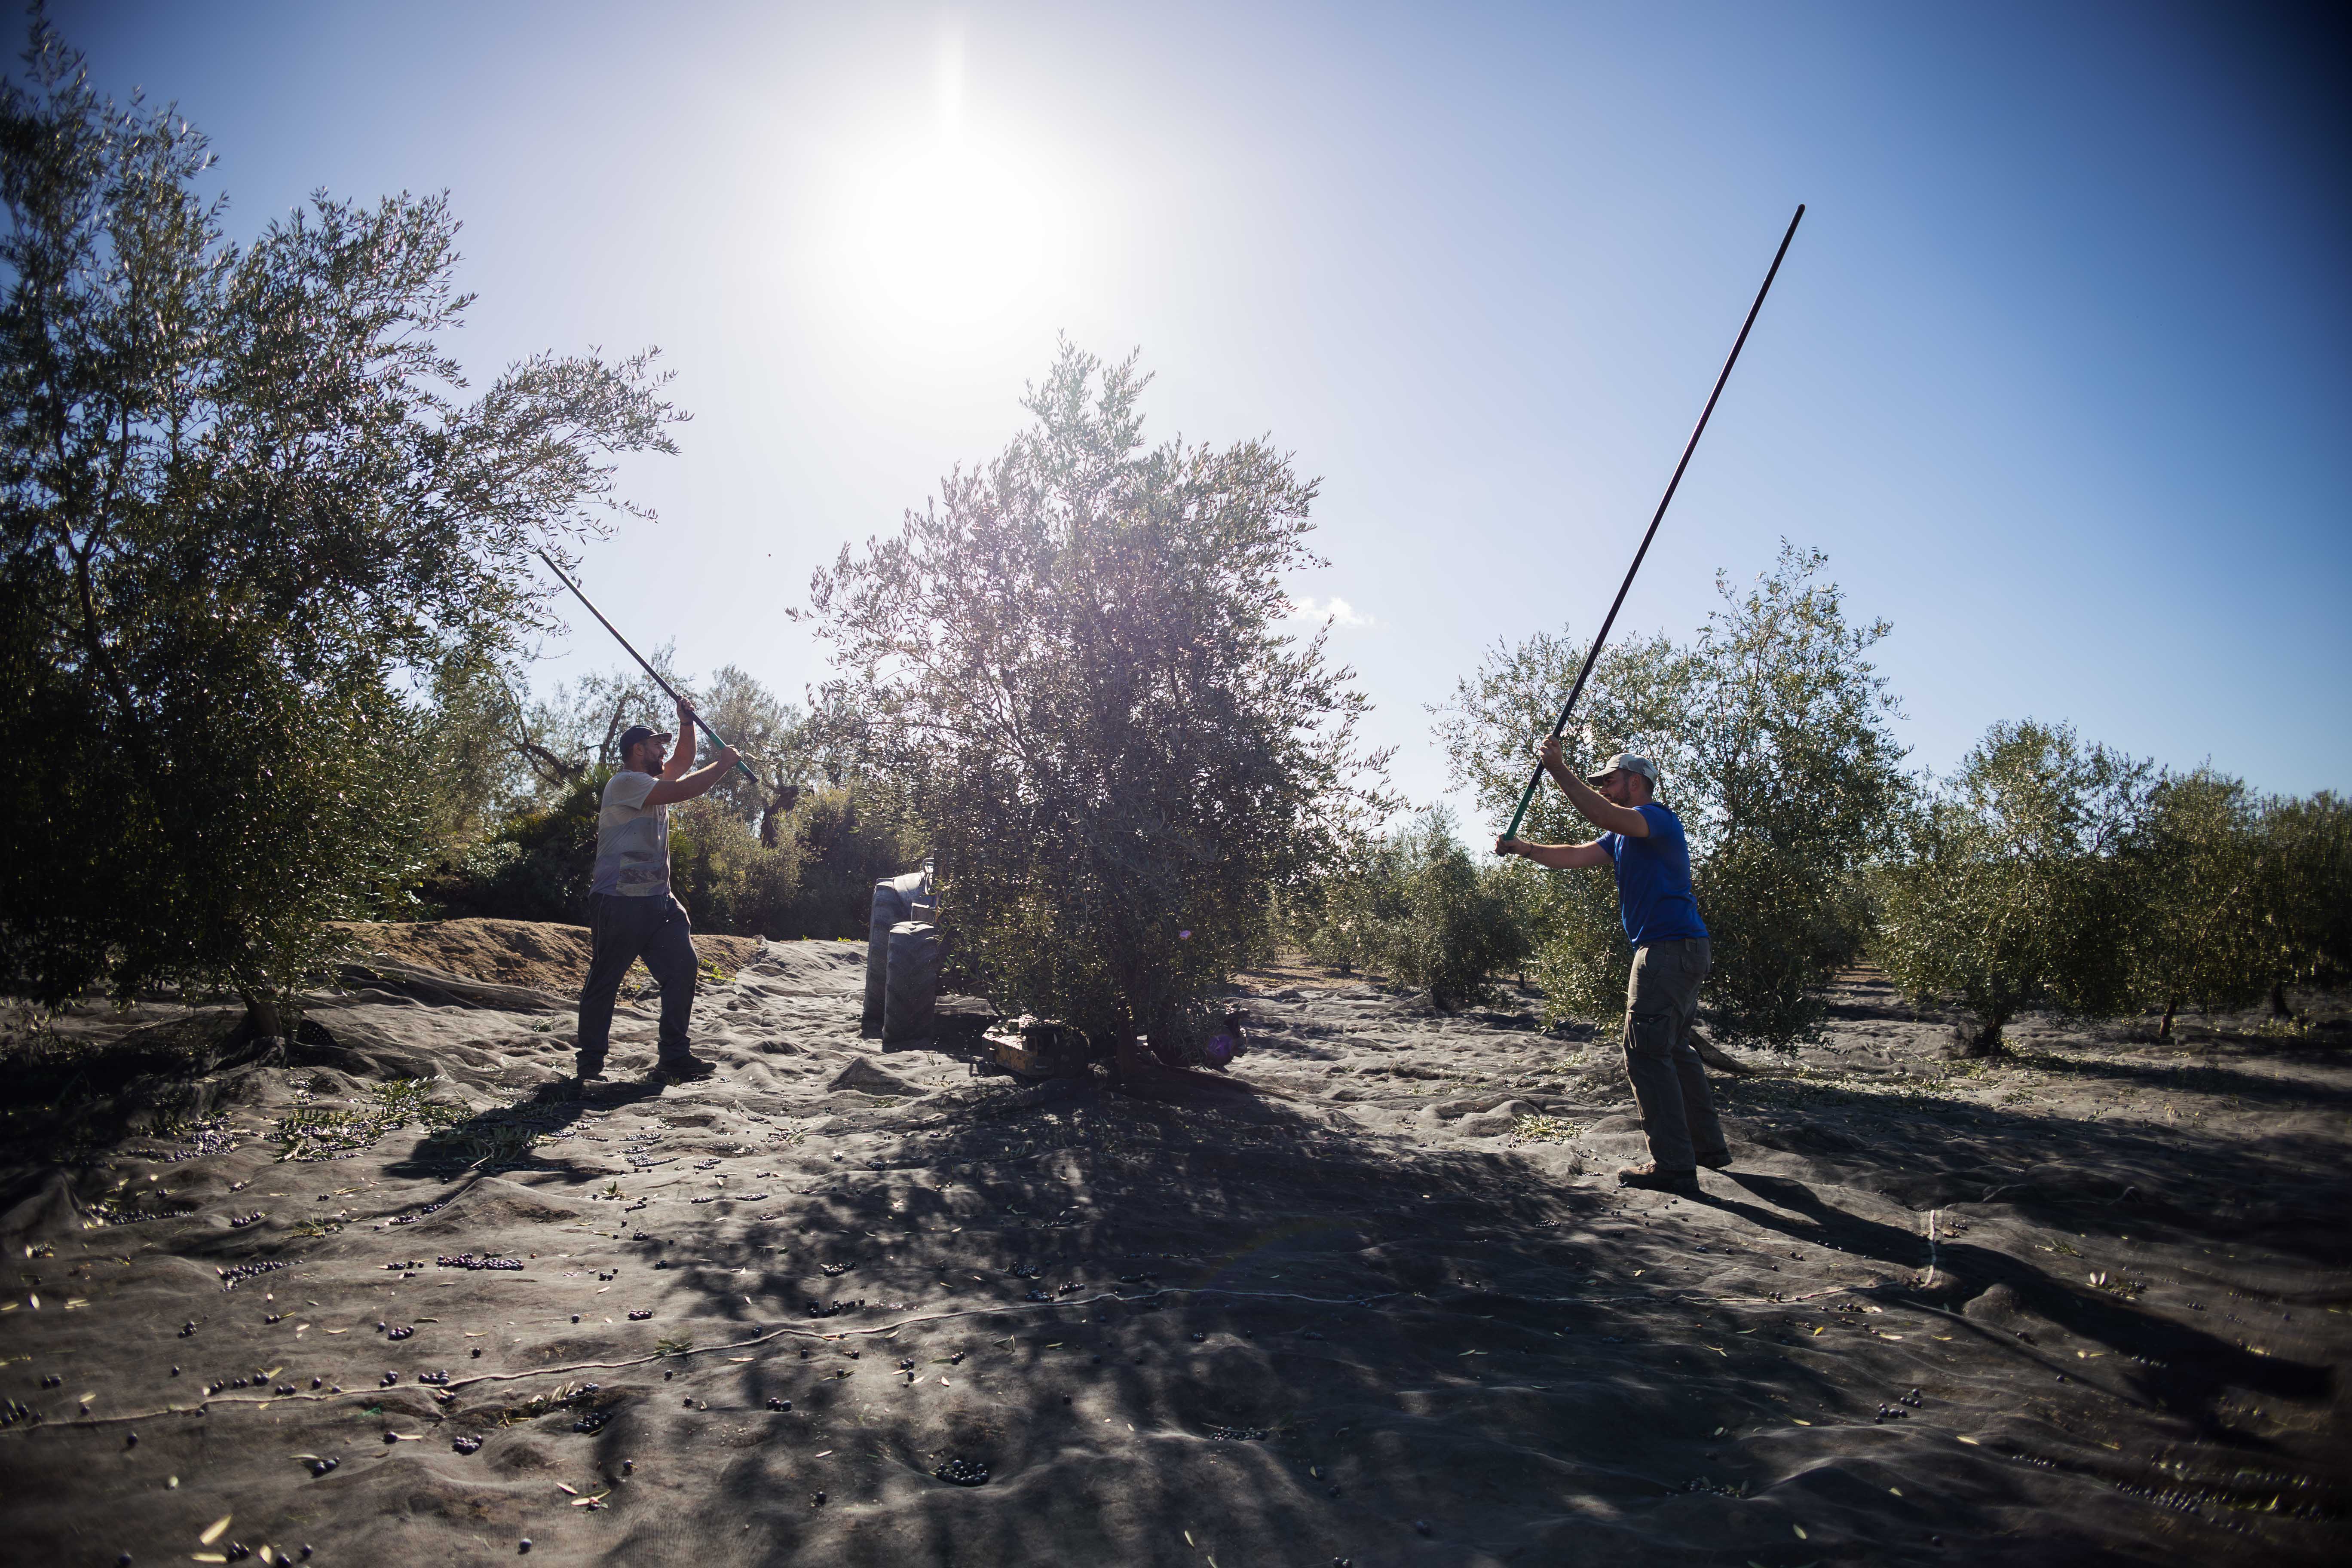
{"type": "Point", "coordinates": [1653, 885]}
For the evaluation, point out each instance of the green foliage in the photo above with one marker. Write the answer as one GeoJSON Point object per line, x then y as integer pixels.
{"type": "Point", "coordinates": [2195, 854]}
{"type": "Point", "coordinates": [766, 730]}
{"type": "Point", "coordinates": [1415, 907]}
{"type": "Point", "coordinates": [2305, 869]}
{"type": "Point", "coordinates": [1583, 962]}
{"type": "Point", "coordinates": [848, 839]}
{"type": "Point", "coordinates": [728, 880]}
{"type": "Point", "coordinates": [1074, 664]}
{"type": "Point", "coordinates": [1795, 778]}
{"type": "Point", "coordinates": [1332, 917]}
{"type": "Point", "coordinates": [474, 778]}
{"type": "Point", "coordinates": [243, 496]}
{"type": "Point", "coordinates": [1773, 731]}
{"type": "Point", "coordinates": [2016, 891]}
{"type": "Point", "coordinates": [1782, 926]}
{"type": "Point", "coordinates": [536, 867]}
{"type": "Point", "coordinates": [2048, 873]}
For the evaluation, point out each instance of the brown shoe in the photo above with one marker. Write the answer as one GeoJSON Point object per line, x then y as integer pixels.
{"type": "Point", "coordinates": [1719, 1161]}
{"type": "Point", "coordinates": [683, 1069]}
{"type": "Point", "coordinates": [1649, 1178]}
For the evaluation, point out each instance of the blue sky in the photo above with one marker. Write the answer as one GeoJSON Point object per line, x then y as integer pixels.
{"type": "Point", "coordinates": [2054, 373]}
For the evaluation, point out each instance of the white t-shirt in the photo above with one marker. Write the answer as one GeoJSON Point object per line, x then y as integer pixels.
{"type": "Point", "coordinates": [632, 839]}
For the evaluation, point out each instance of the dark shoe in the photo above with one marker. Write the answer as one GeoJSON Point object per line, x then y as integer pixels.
{"type": "Point", "coordinates": [1718, 1162]}
{"type": "Point", "coordinates": [1649, 1178]}
{"type": "Point", "coordinates": [590, 1067]}
{"type": "Point", "coordinates": [684, 1069]}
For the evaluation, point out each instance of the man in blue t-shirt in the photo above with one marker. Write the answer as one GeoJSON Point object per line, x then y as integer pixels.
{"type": "Point", "coordinates": [1643, 842]}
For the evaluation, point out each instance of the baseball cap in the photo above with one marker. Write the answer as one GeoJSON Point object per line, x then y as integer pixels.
{"type": "Point", "coordinates": [1627, 763]}
{"type": "Point", "coordinates": [637, 732]}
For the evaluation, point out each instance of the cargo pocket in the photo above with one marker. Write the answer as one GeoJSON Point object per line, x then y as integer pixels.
{"type": "Point", "coordinates": [1650, 1035]}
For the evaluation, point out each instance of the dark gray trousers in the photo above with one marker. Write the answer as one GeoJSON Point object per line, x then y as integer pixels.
{"type": "Point", "coordinates": [1669, 1082]}
{"type": "Point", "coordinates": [625, 930]}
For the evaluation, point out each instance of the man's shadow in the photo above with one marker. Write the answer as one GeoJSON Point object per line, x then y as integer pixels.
{"type": "Point", "coordinates": [479, 1145]}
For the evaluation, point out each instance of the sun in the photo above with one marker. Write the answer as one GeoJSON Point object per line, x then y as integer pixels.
{"type": "Point", "coordinates": [945, 229]}
{"type": "Point", "coordinates": [952, 236]}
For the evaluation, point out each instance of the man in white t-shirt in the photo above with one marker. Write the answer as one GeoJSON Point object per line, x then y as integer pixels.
{"type": "Point", "coordinates": [631, 913]}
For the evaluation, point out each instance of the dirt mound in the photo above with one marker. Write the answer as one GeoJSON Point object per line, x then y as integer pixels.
{"type": "Point", "coordinates": [811, 967]}
{"type": "Point", "coordinates": [49, 1208]}
{"type": "Point", "coordinates": [544, 956]}
{"type": "Point", "coordinates": [495, 1209]}
{"type": "Point", "coordinates": [865, 1078]}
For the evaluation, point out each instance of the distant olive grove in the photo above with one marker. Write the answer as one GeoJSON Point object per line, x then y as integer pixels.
{"type": "Point", "coordinates": [2041, 872]}
{"type": "Point", "coordinates": [2046, 872]}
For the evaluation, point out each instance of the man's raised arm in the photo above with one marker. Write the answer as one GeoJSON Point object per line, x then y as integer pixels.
{"type": "Point", "coordinates": [681, 757]}
{"type": "Point", "coordinates": [1591, 803]}
{"type": "Point", "coordinates": [669, 792]}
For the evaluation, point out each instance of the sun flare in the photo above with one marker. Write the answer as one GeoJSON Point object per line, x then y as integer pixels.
{"type": "Point", "coordinates": [952, 236]}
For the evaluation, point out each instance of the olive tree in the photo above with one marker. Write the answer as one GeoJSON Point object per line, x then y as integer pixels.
{"type": "Point", "coordinates": [1074, 662]}
{"type": "Point", "coordinates": [1797, 777]}
{"type": "Point", "coordinates": [248, 499]}
{"type": "Point", "coordinates": [2303, 914]}
{"type": "Point", "coordinates": [2015, 890]}
{"type": "Point", "coordinates": [2195, 852]}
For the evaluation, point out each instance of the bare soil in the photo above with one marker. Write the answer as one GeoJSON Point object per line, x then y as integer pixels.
{"type": "Point", "coordinates": [1378, 1300]}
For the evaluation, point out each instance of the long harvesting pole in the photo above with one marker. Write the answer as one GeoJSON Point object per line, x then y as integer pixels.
{"type": "Point", "coordinates": [1593, 654]}
{"type": "Point", "coordinates": [648, 668]}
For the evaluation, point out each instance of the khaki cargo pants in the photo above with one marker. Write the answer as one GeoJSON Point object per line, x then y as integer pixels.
{"type": "Point", "coordinates": [1669, 1083]}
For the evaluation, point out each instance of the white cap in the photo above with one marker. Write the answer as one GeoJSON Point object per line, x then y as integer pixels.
{"type": "Point", "coordinates": [1627, 763]}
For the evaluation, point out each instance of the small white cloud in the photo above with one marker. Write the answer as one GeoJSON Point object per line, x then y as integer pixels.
{"type": "Point", "coordinates": [1337, 611]}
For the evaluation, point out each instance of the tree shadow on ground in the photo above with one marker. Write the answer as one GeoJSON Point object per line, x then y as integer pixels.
{"type": "Point", "coordinates": [2175, 1369]}
{"type": "Point", "coordinates": [2285, 1189]}
{"type": "Point", "coordinates": [1245, 1319]}
{"type": "Point", "coordinates": [2202, 1075]}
